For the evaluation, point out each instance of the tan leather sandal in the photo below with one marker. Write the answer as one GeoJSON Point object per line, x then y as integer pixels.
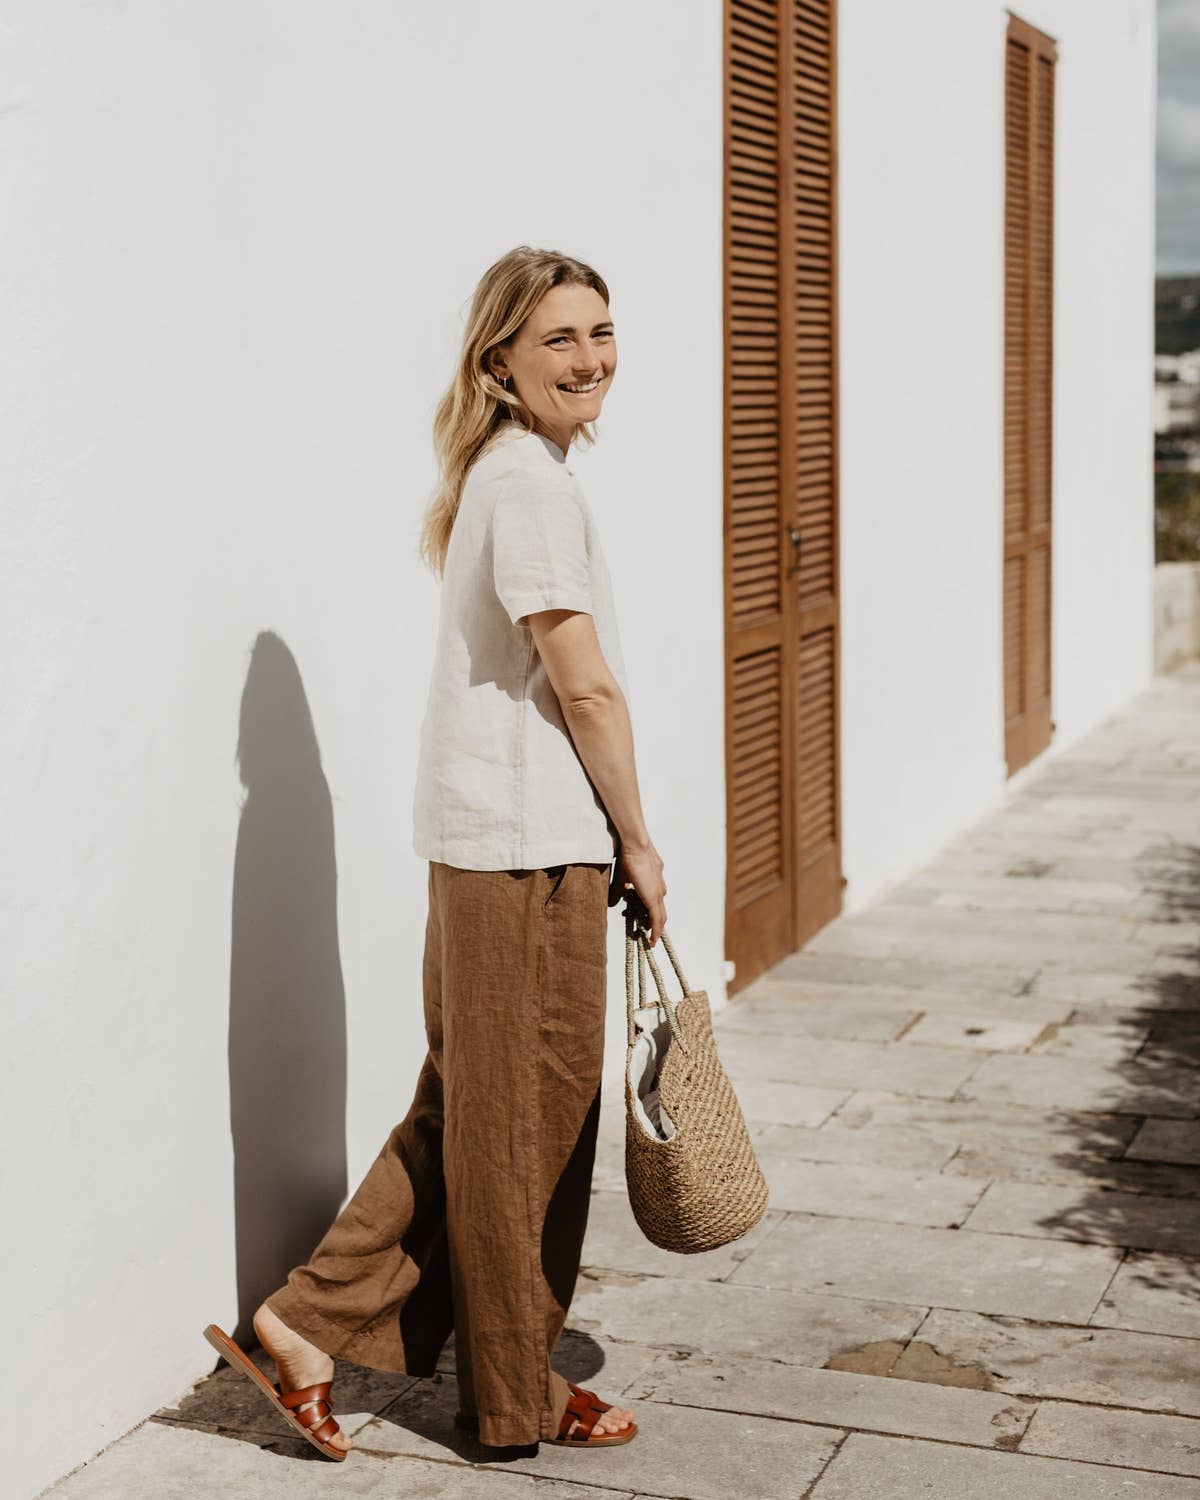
{"type": "Point", "coordinates": [583, 1409]}
{"type": "Point", "coordinates": [578, 1419]}
{"type": "Point", "coordinates": [308, 1410]}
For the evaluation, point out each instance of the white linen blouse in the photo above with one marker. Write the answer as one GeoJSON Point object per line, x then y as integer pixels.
{"type": "Point", "coordinates": [499, 783]}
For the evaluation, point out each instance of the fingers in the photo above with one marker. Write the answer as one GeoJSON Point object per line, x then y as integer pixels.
{"type": "Point", "coordinates": [638, 877]}
{"type": "Point", "coordinates": [652, 918]}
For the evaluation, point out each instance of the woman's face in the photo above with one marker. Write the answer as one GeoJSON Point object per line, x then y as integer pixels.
{"type": "Point", "coordinates": [562, 359]}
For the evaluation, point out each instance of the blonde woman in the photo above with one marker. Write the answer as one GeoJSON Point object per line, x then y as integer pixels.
{"type": "Point", "coordinates": [471, 1219]}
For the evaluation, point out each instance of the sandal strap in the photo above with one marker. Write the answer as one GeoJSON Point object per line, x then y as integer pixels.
{"type": "Point", "coordinates": [583, 1408]}
{"type": "Point", "coordinates": [313, 1409]}
{"type": "Point", "coordinates": [319, 1431]}
{"type": "Point", "coordinates": [318, 1392]}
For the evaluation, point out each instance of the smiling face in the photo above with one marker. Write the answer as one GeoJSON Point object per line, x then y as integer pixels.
{"type": "Point", "coordinates": [561, 360]}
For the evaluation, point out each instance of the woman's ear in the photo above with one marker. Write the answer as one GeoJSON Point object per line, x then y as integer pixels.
{"type": "Point", "coordinates": [497, 365]}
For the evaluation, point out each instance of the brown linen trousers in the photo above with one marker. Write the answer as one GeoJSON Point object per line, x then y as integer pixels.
{"type": "Point", "coordinates": [472, 1216]}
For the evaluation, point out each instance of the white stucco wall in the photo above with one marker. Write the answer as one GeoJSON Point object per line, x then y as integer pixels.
{"type": "Point", "coordinates": [238, 241]}
{"type": "Point", "coordinates": [921, 298]}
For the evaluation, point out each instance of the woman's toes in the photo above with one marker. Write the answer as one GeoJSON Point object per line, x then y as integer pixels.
{"type": "Point", "coordinates": [615, 1420]}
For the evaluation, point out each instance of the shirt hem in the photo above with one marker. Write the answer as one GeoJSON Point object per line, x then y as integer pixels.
{"type": "Point", "coordinates": [519, 857]}
{"type": "Point", "coordinates": [535, 600]}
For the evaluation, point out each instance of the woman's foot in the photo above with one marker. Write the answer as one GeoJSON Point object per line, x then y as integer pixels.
{"type": "Point", "coordinates": [297, 1362]}
{"type": "Point", "coordinates": [615, 1419]}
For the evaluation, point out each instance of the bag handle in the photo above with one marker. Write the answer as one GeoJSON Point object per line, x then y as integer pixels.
{"type": "Point", "coordinates": [637, 940]}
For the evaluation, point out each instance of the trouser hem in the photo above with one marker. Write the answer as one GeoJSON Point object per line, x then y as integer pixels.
{"type": "Point", "coordinates": [376, 1349]}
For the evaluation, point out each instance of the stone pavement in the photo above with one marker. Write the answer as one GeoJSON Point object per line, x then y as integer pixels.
{"type": "Point", "coordinates": [976, 1106]}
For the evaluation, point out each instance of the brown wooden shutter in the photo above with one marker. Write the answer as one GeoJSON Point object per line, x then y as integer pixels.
{"type": "Point", "coordinates": [1028, 388]}
{"type": "Point", "coordinates": [810, 295]}
{"type": "Point", "coordinates": [784, 869]}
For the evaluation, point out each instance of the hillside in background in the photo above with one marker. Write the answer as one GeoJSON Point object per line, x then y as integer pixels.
{"type": "Point", "coordinates": [1176, 314]}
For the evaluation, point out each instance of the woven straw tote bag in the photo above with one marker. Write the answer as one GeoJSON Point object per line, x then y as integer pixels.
{"type": "Point", "coordinates": [694, 1181]}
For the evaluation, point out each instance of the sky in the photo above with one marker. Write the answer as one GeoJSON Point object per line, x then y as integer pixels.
{"type": "Point", "coordinates": [1178, 137]}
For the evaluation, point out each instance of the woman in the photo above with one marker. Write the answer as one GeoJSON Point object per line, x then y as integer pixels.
{"type": "Point", "coordinates": [472, 1216]}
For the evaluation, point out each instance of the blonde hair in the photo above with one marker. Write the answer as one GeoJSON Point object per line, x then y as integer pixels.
{"type": "Point", "coordinates": [476, 405]}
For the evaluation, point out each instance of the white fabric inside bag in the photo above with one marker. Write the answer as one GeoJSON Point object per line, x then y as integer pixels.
{"type": "Point", "coordinates": [653, 1037]}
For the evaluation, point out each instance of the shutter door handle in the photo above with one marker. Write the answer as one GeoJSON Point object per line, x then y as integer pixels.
{"type": "Point", "coordinates": [795, 534]}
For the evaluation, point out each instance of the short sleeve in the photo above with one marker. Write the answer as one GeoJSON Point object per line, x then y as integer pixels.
{"type": "Point", "coordinates": [540, 551]}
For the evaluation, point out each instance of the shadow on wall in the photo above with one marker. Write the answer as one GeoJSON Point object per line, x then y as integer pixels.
{"type": "Point", "coordinates": [287, 1003]}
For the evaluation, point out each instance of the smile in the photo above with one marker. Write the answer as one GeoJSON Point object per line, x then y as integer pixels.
{"type": "Point", "coordinates": [580, 390]}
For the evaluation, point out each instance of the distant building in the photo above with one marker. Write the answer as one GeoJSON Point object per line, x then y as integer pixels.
{"type": "Point", "coordinates": [1177, 392]}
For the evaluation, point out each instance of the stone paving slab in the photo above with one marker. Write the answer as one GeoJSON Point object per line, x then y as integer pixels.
{"type": "Point", "coordinates": [1135, 1440]}
{"type": "Point", "coordinates": [907, 1469]}
{"type": "Point", "coordinates": [861, 1191]}
{"type": "Point", "coordinates": [839, 1398]}
{"type": "Point", "coordinates": [703, 1454]}
{"type": "Point", "coordinates": [1110, 995]}
{"type": "Point", "coordinates": [1184, 916]}
{"type": "Point", "coordinates": [164, 1461]}
{"type": "Point", "coordinates": [880, 926]}
{"type": "Point", "coordinates": [959, 1001]}
{"type": "Point", "coordinates": [614, 1242]}
{"type": "Point", "coordinates": [885, 1146]}
{"type": "Point", "coordinates": [1114, 995]}
{"type": "Point", "coordinates": [1091, 1042]}
{"type": "Point", "coordinates": [1155, 1294]}
{"type": "Point", "coordinates": [1100, 1366]}
{"type": "Point", "coordinates": [905, 973]}
{"type": "Point", "coordinates": [1166, 1140]}
{"type": "Point", "coordinates": [908, 1264]}
{"type": "Point", "coordinates": [820, 1062]}
{"type": "Point", "coordinates": [1169, 1046]}
{"type": "Point", "coordinates": [851, 1020]}
{"type": "Point", "coordinates": [974, 1033]}
{"type": "Point", "coordinates": [1097, 1216]}
{"type": "Point", "coordinates": [1026, 869]}
{"type": "Point", "coordinates": [986, 950]}
{"type": "Point", "coordinates": [1174, 1020]}
{"type": "Point", "coordinates": [1027, 1161]}
{"type": "Point", "coordinates": [1176, 958]}
{"type": "Point", "coordinates": [986, 890]}
{"type": "Point", "coordinates": [767, 1102]}
{"type": "Point", "coordinates": [795, 1327]}
{"type": "Point", "coordinates": [966, 1120]}
{"type": "Point", "coordinates": [1069, 1083]}
{"type": "Point", "coordinates": [1170, 905]}
{"type": "Point", "coordinates": [1015, 843]}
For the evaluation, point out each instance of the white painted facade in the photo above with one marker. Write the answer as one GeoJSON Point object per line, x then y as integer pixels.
{"type": "Point", "coordinates": [239, 239]}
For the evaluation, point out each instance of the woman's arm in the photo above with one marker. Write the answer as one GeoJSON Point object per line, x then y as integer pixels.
{"type": "Point", "coordinates": [597, 717]}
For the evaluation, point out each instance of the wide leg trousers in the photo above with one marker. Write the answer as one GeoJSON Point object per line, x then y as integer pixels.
{"type": "Point", "coordinates": [472, 1216]}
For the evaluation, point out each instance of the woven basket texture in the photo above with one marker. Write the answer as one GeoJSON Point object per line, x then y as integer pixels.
{"type": "Point", "coordinates": [703, 1187]}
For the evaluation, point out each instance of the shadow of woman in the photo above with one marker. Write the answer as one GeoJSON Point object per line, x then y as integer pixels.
{"type": "Point", "coordinates": [287, 1003]}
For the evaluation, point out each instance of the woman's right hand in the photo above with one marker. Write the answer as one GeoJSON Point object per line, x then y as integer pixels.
{"type": "Point", "coordinates": [638, 874]}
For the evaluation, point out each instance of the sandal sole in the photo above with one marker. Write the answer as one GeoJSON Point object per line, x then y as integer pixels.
{"type": "Point", "coordinates": [235, 1356]}
{"type": "Point", "coordinates": [612, 1440]}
